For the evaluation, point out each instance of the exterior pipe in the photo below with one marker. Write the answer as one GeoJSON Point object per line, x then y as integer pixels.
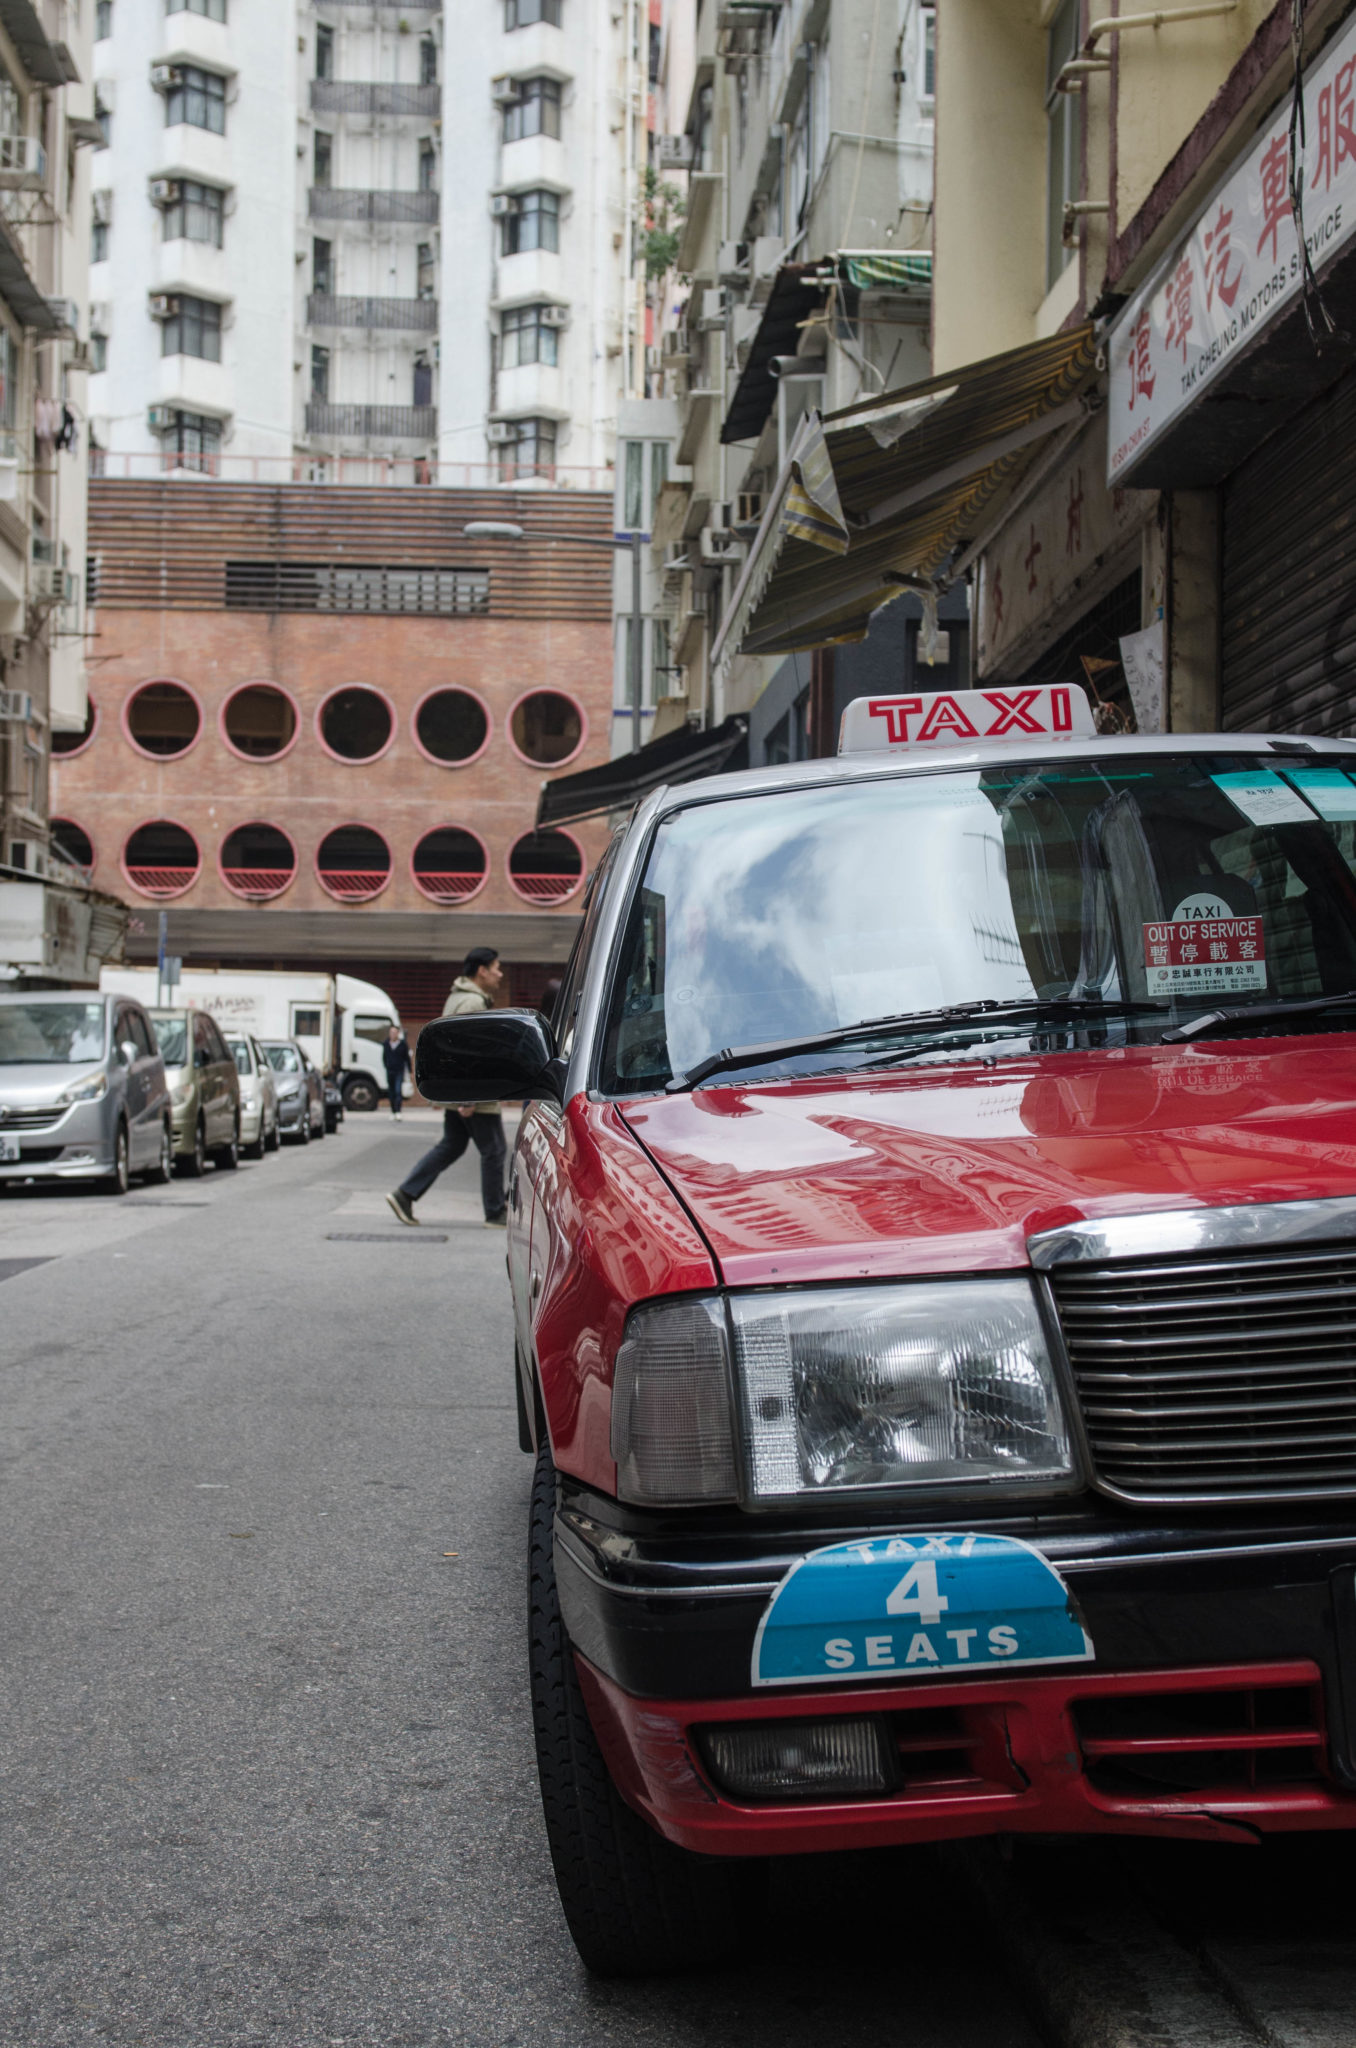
{"type": "Point", "coordinates": [1113, 23]}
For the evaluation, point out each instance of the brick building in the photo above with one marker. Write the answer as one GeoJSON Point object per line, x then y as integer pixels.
{"type": "Point", "coordinates": [320, 719]}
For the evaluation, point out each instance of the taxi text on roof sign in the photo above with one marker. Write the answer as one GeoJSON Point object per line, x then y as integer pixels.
{"type": "Point", "coordinates": [1055, 711]}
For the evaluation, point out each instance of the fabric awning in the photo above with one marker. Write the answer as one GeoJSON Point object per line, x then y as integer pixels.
{"type": "Point", "coordinates": [877, 499]}
{"type": "Point", "coordinates": [795, 295]}
{"type": "Point", "coordinates": [678, 757]}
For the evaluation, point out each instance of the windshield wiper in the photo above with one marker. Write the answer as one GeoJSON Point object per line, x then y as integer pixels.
{"type": "Point", "coordinates": [1057, 1009]}
{"type": "Point", "coordinates": [1224, 1020]}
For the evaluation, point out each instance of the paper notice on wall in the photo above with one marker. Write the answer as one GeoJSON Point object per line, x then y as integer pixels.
{"type": "Point", "coordinates": [1142, 660]}
{"type": "Point", "coordinates": [1263, 798]}
{"type": "Point", "coordinates": [1204, 956]}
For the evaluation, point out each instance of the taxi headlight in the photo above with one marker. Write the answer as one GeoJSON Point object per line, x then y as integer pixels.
{"type": "Point", "coordinates": [945, 1383]}
{"type": "Point", "coordinates": [925, 1384]}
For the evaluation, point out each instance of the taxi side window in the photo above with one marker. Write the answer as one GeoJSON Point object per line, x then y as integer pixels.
{"type": "Point", "coordinates": [135, 1027]}
{"type": "Point", "coordinates": [566, 1010]}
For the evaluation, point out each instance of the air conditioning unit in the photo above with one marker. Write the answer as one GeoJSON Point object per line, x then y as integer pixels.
{"type": "Point", "coordinates": [164, 306]}
{"type": "Point", "coordinates": [50, 584]}
{"type": "Point", "coordinates": [65, 313]}
{"type": "Point", "coordinates": [165, 76]}
{"type": "Point", "coordinates": [711, 546]}
{"type": "Point", "coordinates": [504, 91]}
{"type": "Point", "coordinates": [673, 152]}
{"type": "Point", "coordinates": [748, 508]}
{"type": "Point", "coordinates": [77, 356]}
{"type": "Point", "coordinates": [166, 191]}
{"type": "Point", "coordinates": [673, 345]}
{"type": "Point", "coordinates": [713, 313]}
{"type": "Point", "coordinates": [23, 161]}
{"type": "Point", "coordinates": [101, 208]}
{"type": "Point", "coordinates": [500, 432]}
{"type": "Point", "coordinates": [555, 316]}
{"type": "Point", "coordinates": [160, 418]}
{"type": "Point", "coordinates": [16, 707]}
{"type": "Point", "coordinates": [504, 205]}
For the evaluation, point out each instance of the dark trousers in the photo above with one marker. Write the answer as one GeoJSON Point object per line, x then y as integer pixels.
{"type": "Point", "coordinates": [487, 1134]}
{"type": "Point", "coordinates": [395, 1089]}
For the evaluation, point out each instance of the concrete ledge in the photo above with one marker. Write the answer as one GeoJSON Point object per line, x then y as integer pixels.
{"type": "Point", "coordinates": [328, 935]}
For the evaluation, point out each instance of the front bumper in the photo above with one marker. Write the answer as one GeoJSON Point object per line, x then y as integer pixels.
{"type": "Point", "coordinates": [78, 1144]}
{"type": "Point", "coordinates": [1221, 1701]}
{"type": "Point", "coordinates": [293, 1110]}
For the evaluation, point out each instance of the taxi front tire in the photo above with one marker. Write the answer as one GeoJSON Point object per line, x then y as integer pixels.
{"type": "Point", "coordinates": [635, 1904]}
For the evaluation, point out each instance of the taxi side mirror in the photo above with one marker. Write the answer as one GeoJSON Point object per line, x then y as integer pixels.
{"type": "Point", "coordinates": [487, 1056]}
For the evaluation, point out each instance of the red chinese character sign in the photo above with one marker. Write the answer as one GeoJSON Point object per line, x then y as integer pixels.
{"type": "Point", "coordinates": [1237, 267]}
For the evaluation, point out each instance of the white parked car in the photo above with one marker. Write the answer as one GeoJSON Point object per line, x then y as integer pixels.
{"type": "Point", "coordinates": [258, 1095]}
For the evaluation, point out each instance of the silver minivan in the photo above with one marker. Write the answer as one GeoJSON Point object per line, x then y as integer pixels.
{"type": "Point", "coordinates": [83, 1094]}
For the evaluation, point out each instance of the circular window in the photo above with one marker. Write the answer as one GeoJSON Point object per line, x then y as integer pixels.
{"type": "Point", "coordinates": [257, 861]}
{"type": "Point", "coordinates": [356, 724]}
{"type": "Point", "coordinates": [72, 842]}
{"type": "Point", "coordinates": [546, 867]}
{"type": "Point", "coordinates": [161, 859]}
{"type": "Point", "coordinates": [451, 726]}
{"type": "Point", "coordinates": [354, 863]}
{"type": "Point", "coordinates": [546, 727]}
{"type": "Point", "coordinates": [76, 742]}
{"type": "Point", "coordinates": [450, 865]}
{"type": "Point", "coordinates": [259, 721]}
{"type": "Point", "coordinates": [163, 719]}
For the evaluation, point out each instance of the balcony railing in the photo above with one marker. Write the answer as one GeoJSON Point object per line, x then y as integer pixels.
{"type": "Point", "coordinates": [449, 888]}
{"type": "Point", "coordinates": [406, 6]}
{"type": "Point", "coordinates": [360, 470]}
{"type": "Point", "coordinates": [162, 881]}
{"type": "Point", "coordinates": [354, 96]}
{"type": "Point", "coordinates": [354, 885]}
{"type": "Point", "coordinates": [545, 888]}
{"type": "Point", "coordinates": [258, 883]}
{"type": "Point", "coordinates": [417, 315]}
{"type": "Point", "coordinates": [374, 422]}
{"type": "Point", "coordinates": [333, 202]}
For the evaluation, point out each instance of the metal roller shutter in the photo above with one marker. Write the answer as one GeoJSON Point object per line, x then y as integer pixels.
{"type": "Point", "coordinates": [1288, 577]}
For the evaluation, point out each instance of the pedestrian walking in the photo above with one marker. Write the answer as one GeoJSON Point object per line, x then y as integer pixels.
{"type": "Point", "coordinates": [478, 1123]}
{"type": "Point", "coordinates": [395, 1057]}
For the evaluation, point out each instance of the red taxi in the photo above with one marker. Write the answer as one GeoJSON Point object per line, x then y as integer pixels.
{"type": "Point", "coordinates": [933, 1252]}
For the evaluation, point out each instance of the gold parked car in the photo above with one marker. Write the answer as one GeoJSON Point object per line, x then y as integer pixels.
{"type": "Point", "coordinates": [204, 1089]}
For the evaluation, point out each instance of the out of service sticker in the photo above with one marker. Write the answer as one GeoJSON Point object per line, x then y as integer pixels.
{"type": "Point", "coordinates": [1204, 955]}
{"type": "Point", "coordinates": [915, 1606]}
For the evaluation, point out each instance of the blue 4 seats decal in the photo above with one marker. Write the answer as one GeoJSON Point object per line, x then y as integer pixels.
{"type": "Point", "coordinates": [912, 1606]}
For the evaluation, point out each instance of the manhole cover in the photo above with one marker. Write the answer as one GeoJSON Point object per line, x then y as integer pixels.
{"type": "Point", "coordinates": [384, 1237]}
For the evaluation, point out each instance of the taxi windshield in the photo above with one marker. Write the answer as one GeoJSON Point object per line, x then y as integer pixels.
{"type": "Point", "coordinates": [1169, 883]}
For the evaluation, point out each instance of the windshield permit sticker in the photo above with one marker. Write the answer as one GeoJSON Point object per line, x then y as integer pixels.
{"type": "Point", "coordinates": [1196, 954]}
{"type": "Point", "coordinates": [1263, 798]}
{"type": "Point", "coordinates": [914, 1606]}
{"type": "Point", "coordinates": [1331, 792]}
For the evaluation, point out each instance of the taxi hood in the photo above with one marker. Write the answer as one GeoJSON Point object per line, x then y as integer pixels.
{"type": "Point", "coordinates": [950, 1170]}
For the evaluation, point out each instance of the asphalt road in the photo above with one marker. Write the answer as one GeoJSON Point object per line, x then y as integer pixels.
{"type": "Point", "coordinates": [266, 1756]}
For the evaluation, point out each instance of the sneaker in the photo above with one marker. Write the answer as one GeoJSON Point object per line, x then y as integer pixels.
{"type": "Point", "coordinates": [499, 1222]}
{"type": "Point", "coordinates": [401, 1205]}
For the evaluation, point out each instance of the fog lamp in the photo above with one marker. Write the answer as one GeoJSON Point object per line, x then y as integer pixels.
{"type": "Point", "coordinates": [826, 1759]}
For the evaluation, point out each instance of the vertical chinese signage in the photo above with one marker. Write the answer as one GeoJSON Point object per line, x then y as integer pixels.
{"type": "Point", "coordinates": [1237, 267]}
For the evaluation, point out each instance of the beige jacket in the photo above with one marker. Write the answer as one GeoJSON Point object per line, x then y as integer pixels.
{"type": "Point", "coordinates": [465, 999]}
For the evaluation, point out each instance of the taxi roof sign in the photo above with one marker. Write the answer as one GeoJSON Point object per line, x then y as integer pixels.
{"type": "Point", "coordinates": [1053, 711]}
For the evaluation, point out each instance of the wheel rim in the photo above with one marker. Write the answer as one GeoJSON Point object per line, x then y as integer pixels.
{"type": "Point", "coordinates": [200, 1148]}
{"type": "Point", "coordinates": [122, 1164]}
{"type": "Point", "coordinates": [166, 1155]}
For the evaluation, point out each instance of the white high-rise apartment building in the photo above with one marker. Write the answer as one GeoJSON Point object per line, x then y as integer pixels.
{"type": "Point", "coordinates": [363, 239]}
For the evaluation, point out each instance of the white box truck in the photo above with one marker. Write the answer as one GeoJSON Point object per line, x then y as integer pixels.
{"type": "Point", "coordinates": [341, 1022]}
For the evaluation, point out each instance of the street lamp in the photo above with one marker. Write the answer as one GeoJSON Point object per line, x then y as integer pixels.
{"type": "Point", "coordinates": [505, 529]}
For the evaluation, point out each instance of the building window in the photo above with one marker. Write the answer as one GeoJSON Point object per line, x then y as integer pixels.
{"type": "Point", "coordinates": [193, 329]}
{"type": "Point", "coordinates": [324, 52]}
{"type": "Point", "coordinates": [1062, 110]}
{"type": "Point", "coordinates": [423, 381]}
{"type": "Point", "coordinates": [927, 35]}
{"type": "Point", "coordinates": [197, 215]}
{"type": "Point", "coordinates": [533, 224]}
{"type": "Point", "coordinates": [659, 471]}
{"type": "Point", "coordinates": [525, 13]}
{"type": "Point", "coordinates": [428, 61]}
{"type": "Point", "coordinates": [425, 281]}
{"type": "Point", "coordinates": [98, 352]}
{"type": "Point", "coordinates": [103, 115]}
{"type": "Point", "coordinates": [322, 160]}
{"type": "Point", "coordinates": [322, 267]}
{"type": "Point", "coordinates": [191, 441]}
{"type": "Point", "coordinates": [661, 659]}
{"type": "Point", "coordinates": [428, 167]}
{"type": "Point", "coordinates": [703, 129]}
{"type": "Point", "coordinates": [197, 98]}
{"type": "Point", "coordinates": [633, 518]}
{"type": "Point", "coordinates": [536, 111]}
{"type": "Point", "coordinates": [9, 379]}
{"type": "Point", "coordinates": [103, 20]}
{"type": "Point", "coordinates": [324, 587]}
{"type": "Point", "coordinates": [526, 337]}
{"type": "Point", "coordinates": [531, 447]}
{"type": "Point", "coordinates": [320, 375]}
{"type": "Point", "coordinates": [214, 10]}
{"type": "Point", "coordinates": [98, 242]}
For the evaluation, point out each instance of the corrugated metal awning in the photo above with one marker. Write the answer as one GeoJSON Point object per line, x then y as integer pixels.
{"type": "Point", "coordinates": [877, 499]}
{"type": "Point", "coordinates": [40, 60]}
{"type": "Point", "coordinates": [18, 290]}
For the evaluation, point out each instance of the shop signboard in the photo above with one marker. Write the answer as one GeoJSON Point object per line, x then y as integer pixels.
{"type": "Point", "coordinates": [1238, 266]}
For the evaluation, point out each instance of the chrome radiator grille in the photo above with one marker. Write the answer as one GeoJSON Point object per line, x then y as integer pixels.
{"type": "Point", "coordinates": [1227, 1377]}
